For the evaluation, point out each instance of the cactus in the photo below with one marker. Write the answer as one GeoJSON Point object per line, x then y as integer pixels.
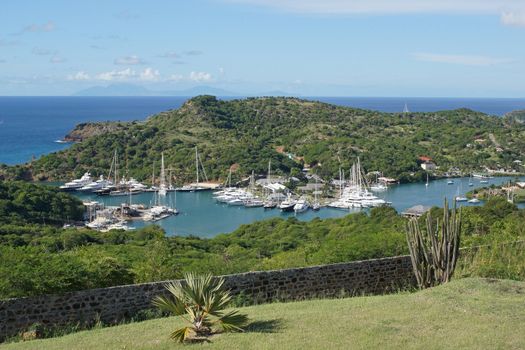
{"type": "Point", "coordinates": [434, 251]}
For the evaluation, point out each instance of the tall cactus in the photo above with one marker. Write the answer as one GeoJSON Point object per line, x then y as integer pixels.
{"type": "Point", "coordinates": [434, 251]}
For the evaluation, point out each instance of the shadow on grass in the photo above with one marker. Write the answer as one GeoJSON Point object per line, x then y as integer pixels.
{"type": "Point", "coordinates": [268, 326]}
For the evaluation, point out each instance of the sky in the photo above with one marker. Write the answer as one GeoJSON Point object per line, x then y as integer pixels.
{"type": "Point", "coordinates": [426, 48]}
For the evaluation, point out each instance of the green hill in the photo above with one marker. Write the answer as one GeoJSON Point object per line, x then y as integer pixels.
{"type": "Point", "coordinates": [464, 314]}
{"type": "Point", "coordinates": [249, 132]}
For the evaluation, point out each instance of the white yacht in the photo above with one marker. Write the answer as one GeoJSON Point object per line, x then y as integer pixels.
{"type": "Point", "coordinates": [77, 183]}
{"type": "Point", "coordinates": [235, 201]}
{"type": "Point", "coordinates": [474, 201]}
{"type": "Point", "coordinates": [288, 204]}
{"type": "Point", "coordinates": [253, 203]}
{"type": "Point", "coordinates": [96, 185]}
{"type": "Point", "coordinates": [378, 187]}
{"type": "Point", "coordinates": [355, 194]}
{"type": "Point", "coordinates": [302, 205]}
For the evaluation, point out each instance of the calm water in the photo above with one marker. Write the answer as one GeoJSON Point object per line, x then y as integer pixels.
{"type": "Point", "coordinates": [202, 216]}
{"type": "Point", "coordinates": [31, 125]}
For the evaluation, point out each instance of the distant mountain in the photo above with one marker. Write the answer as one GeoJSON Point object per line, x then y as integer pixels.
{"type": "Point", "coordinates": [114, 90]}
{"type": "Point", "coordinates": [135, 90]}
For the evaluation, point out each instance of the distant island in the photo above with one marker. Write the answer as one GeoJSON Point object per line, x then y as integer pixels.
{"type": "Point", "coordinates": [124, 89]}
{"type": "Point", "coordinates": [294, 134]}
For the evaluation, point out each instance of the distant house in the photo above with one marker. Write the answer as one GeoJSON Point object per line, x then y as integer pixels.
{"type": "Point", "coordinates": [426, 163]}
{"type": "Point", "coordinates": [428, 166]}
{"type": "Point", "coordinates": [416, 211]}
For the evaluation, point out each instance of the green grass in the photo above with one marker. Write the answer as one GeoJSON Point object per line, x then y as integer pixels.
{"type": "Point", "coordinates": [467, 313]}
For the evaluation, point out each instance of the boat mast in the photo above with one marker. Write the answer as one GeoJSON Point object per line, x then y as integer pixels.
{"type": "Point", "coordinates": [116, 170]}
{"type": "Point", "coordinates": [153, 175]}
{"type": "Point", "coordinates": [162, 187]}
{"type": "Point", "coordinates": [197, 163]}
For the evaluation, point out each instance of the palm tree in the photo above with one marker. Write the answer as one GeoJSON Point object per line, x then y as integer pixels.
{"type": "Point", "coordinates": [200, 300]}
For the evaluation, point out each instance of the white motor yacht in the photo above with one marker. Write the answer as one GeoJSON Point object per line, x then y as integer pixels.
{"type": "Point", "coordinates": [302, 205]}
{"type": "Point", "coordinates": [288, 204]}
{"type": "Point", "coordinates": [96, 185]}
{"type": "Point", "coordinates": [77, 183]}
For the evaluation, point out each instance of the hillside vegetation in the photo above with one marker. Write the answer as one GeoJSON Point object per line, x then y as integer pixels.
{"type": "Point", "coordinates": [42, 259]}
{"type": "Point", "coordinates": [463, 314]}
{"type": "Point", "coordinates": [250, 132]}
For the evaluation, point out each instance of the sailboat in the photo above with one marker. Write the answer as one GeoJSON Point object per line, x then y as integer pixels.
{"type": "Point", "coordinates": [162, 187]}
{"type": "Point", "coordinates": [269, 203]}
{"type": "Point", "coordinates": [195, 186]}
{"type": "Point", "coordinates": [356, 193]}
{"type": "Point", "coordinates": [378, 186]}
{"type": "Point", "coordinates": [119, 189]}
{"type": "Point", "coordinates": [405, 109]}
{"type": "Point", "coordinates": [426, 184]}
{"type": "Point", "coordinates": [460, 198]}
{"type": "Point", "coordinates": [470, 183]}
{"type": "Point", "coordinates": [316, 205]}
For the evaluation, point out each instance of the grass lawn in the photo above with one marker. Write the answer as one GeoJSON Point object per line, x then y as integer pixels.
{"type": "Point", "coordinates": [467, 313]}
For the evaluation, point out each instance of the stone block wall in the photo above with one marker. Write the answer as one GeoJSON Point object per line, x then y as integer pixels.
{"type": "Point", "coordinates": [111, 305]}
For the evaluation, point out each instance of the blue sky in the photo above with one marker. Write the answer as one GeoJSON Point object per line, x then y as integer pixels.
{"type": "Point", "coordinates": [442, 48]}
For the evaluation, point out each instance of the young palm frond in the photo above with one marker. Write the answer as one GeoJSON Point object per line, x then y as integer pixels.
{"type": "Point", "coordinates": [200, 300]}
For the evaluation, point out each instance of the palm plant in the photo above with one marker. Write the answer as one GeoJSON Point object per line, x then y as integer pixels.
{"type": "Point", "coordinates": [200, 300]}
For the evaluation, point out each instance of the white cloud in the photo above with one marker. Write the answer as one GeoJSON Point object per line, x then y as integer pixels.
{"type": "Point", "coordinates": [467, 60]}
{"type": "Point", "coordinates": [36, 28]}
{"type": "Point", "coordinates": [170, 54]}
{"type": "Point", "coordinates": [149, 74]}
{"type": "Point", "coordinates": [388, 6]}
{"type": "Point", "coordinates": [4, 42]}
{"type": "Point", "coordinates": [79, 76]}
{"type": "Point", "coordinates": [193, 53]}
{"type": "Point", "coordinates": [116, 75]}
{"type": "Point", "coordinates": [200, 77]}
{"type": "Point", "coordinates": [512, 12]}
{"type": "Point", "coordinates": [129, 60]}
{"type": "Point", "coordinates": [128, 74]}
{"type": "Point", "coordinates": [516, 19]}
{"type": "Point", "coordinates": [176, 77]}
{"type": "Point", "coordinates": [42, 52]}
{"type": "Point", "coordinates": [57, 59]}
{"type": "Point", "coordinates": [127, 15]}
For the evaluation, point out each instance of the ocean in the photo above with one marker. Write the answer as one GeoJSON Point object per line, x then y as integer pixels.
{"type": "Point", "coordinates": [30, 126]}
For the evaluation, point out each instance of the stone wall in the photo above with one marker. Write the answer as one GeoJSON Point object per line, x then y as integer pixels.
{"type": "Point", "coordinates": [114, 304]}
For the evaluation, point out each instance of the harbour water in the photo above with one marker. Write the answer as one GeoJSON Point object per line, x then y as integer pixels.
{"type": "Point", "coordinates": [29, 126]}
{"type": "Point", "coordinates": [202, 216]}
